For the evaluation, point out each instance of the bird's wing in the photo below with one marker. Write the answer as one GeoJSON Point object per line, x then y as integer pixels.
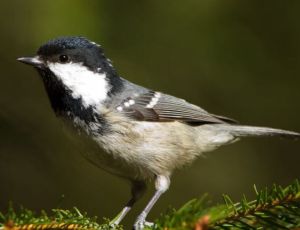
{"type": "Point", "coordinates": [156, 106]}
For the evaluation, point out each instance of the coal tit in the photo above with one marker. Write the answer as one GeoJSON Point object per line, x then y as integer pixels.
{"type": "Point", "coordinates": [141, 134]}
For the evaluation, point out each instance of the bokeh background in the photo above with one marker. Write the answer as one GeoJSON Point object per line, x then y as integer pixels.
{"type": "Point", "coordinates": [235, 58]}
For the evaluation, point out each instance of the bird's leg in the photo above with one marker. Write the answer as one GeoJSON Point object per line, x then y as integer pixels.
{"type": "Point", "coordinates": [162, 184]}
{"type": "Point", "coordinates": [137, 190]}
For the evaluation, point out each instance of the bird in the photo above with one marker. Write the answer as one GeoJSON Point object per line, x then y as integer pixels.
{"type": "Point", "coordinates": [140, 134]}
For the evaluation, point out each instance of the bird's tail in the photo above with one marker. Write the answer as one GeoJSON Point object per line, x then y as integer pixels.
{"type": "Point", "coordinates": [245, 131]}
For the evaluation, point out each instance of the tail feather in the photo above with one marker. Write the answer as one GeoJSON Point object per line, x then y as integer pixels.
{"type": "Point", "coordinates": [244, 131]}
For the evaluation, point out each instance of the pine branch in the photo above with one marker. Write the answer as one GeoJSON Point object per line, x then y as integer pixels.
{"type": "Point", "coordinates": [275, 208]}
{"type": "Point", "coordinates": [25, 219]}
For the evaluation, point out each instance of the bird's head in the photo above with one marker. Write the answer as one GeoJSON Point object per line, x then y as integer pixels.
{"type": "Point", "coordinates": [77, 65]}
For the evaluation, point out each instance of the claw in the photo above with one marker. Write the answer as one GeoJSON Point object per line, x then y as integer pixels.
{"type": "Point", "coordinates": [141, 224]}
{"type": "Point", "coordinates": [113, 226]}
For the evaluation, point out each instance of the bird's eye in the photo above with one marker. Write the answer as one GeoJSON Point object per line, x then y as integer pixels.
{"type": "Point", "coordinates": [63, 58]}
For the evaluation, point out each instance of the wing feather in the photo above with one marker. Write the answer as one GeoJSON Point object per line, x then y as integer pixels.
{"type": "Point", "coordinates": [156, 106]}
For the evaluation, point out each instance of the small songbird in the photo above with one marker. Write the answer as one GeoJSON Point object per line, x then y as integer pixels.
{"type": "Point", "coordinates": [141, 134]}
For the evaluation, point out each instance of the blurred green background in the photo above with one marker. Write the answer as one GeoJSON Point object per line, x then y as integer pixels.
{"type": "Point", "coordinates": [235, 58]}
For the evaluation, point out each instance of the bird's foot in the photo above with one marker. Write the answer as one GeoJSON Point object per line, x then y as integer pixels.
{"type": "Point", "coordinates": [142, 224]}
{"type": "Point", "coordinates": [113, 226]}
{"type": "Point", "coordinates": [116, 221]}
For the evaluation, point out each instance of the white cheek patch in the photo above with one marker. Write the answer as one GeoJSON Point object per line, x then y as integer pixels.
{"type": "Point", "coordinates": [91, 87]}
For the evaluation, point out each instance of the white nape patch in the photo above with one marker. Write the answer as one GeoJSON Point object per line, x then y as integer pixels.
{"type": "Point", "coordinates": [91, 87]}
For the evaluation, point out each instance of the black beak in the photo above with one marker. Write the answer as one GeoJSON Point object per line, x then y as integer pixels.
{"type": "Point", "coordinates": [33, 61]}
